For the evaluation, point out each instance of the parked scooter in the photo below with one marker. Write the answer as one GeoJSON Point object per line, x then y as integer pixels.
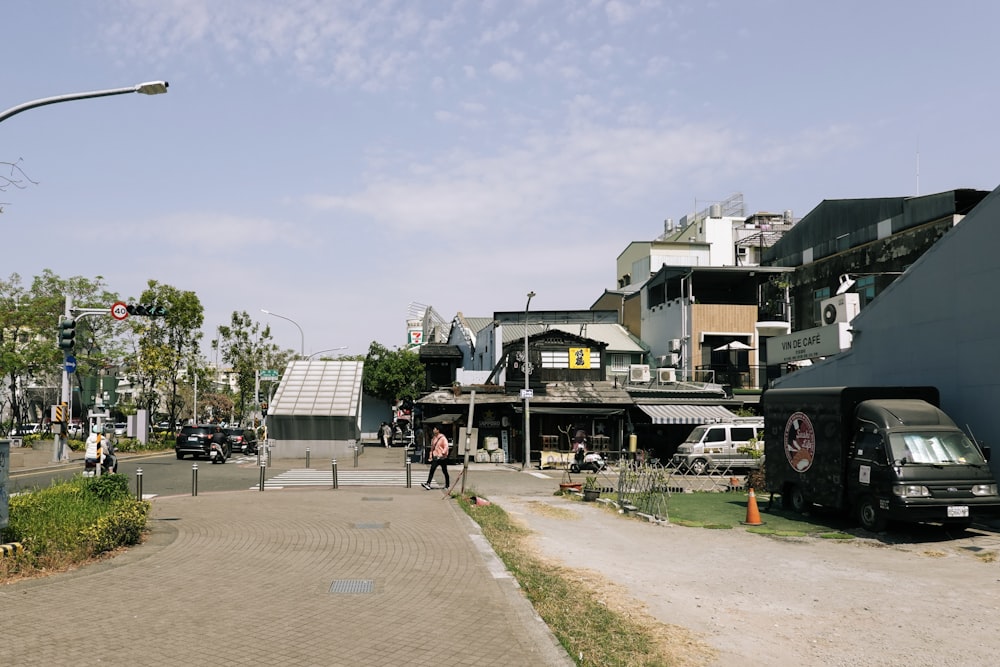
{"type": "Point", "coordinates": [100, 452]}
{"type": "Point", "coordinates": [591, 461]}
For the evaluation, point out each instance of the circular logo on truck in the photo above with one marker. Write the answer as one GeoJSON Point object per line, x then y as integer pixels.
{"type": "Point", "coordinates": [800, 442]}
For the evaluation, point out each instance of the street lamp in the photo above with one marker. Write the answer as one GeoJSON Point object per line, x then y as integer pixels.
{"type": "Point", "coordinates": [302, 346]}
{"type": "Point", "coordinates": [148, 88]}
{"type": "Point", "coordinates": [332, 349]}
{"type": "Point", "coordinates": [526, 366]}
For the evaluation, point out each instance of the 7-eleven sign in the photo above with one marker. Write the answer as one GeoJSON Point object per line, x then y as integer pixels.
{"type": "Point", "coordinates": [416, 337]}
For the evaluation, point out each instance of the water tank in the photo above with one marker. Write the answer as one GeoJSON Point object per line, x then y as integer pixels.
{"type": "Point", "coordinates": [788, 217]}
{"type": "Point", "coordinates": [668, 225]}
{"type": "Point", "coordinates": [715, 211]}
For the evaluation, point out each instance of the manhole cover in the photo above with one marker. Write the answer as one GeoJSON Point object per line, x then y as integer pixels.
{"type": "Point", "coordinates": [352, 586]}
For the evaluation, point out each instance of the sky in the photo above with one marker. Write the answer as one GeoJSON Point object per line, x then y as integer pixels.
{"type": "Point", "coordinates": [336, 161]}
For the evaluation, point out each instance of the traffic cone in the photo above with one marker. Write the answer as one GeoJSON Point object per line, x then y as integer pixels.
{"type": "Point", "coordinates": [753, 516]}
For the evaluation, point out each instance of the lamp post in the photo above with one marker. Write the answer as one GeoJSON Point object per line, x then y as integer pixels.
{"type": "Point", "coordinates": [148, 88]}
{"type": "Point", "coordinates": [332, 349]}
{"type": "Point", "coordinates": [302, 345]}
{"type": "Point", "coordinates": [526, 366]}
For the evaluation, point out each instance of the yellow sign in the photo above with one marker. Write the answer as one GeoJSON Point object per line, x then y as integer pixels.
{"type": "Point", "coordinates": [579, 357]}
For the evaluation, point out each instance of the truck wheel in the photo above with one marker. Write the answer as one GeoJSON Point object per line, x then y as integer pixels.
{"type": "Point", "coordinates": [179, 455]}
{"type": "Point", "coordinates": [870, 516]}
{"type": "Point", "coordinates": [698, 466]}
{"type": "Point", "coordinates": [793, 499]}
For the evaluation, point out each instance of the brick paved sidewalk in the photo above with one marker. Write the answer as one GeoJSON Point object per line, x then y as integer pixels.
{"type": "Point", "coordinates": [362, 576]}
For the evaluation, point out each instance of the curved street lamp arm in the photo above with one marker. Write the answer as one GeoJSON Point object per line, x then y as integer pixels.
{"type": "Point", "coordinates": [148, 88]}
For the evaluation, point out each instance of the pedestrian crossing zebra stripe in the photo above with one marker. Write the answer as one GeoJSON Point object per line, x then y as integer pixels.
{"type": "Point", "coordinates": [311, 477]}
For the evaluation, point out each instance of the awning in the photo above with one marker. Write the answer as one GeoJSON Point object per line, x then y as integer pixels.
{"type": "Point", "coordinates": [553, 410]}
{"type": "Point", "coordinates": [687, 414]}
{"type": "Point", "coordinates": [443, 419]}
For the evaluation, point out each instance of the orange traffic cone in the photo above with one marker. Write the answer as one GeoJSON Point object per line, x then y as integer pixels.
{"type": "Point", "coordinates": [753, 516]}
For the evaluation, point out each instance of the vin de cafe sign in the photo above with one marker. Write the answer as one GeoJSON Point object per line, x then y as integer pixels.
{"type": "Point", "coordinates": [809, 343]}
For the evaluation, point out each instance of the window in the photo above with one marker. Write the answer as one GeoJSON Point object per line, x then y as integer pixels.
{"type": "Point", "coordinates": [743, 433]}
{"type": "Point", "coordinates": [818, 297]}
{"type": "Point", "coordinates": [619, 362]}
{"type": "Point", "coordinates": [843, 242]}
{"type": "Point", "coordinates": [865, 287]}
{"type": "Point", "coordinates": [716, 435]}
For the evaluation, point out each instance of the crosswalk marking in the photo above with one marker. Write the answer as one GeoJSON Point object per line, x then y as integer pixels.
{"type": "Point", "coordinates": [314, 477]}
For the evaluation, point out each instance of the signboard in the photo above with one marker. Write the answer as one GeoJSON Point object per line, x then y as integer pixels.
{"type": "Point", "coordinates": [579, 357]}
{"type": "Point", "coordinates": [268, 375]}
{"type": "Point", "coordinates": [809, 343]}
{"type": "Point", "coordinates": [119, 310]}
{"type": "Point", "coordinates": [527, 393]}
{"type": "Point", "coordinates": [70, 364]}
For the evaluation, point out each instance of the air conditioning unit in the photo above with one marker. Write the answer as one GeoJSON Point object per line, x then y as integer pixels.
{"type": "Point", "coordinates": [638, 373]}
{"type": "Point", "coordinates": [840, 308]}
{"type": "Point", "coordinates": [671, 359]}
{"type": "Point", "coordinates": [666, 375]}
{"type": "Point", "coordinates": [675, 344]}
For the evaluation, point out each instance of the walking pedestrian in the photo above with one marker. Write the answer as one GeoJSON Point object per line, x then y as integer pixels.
{"type": "Point", "coordinates": [439, 458]}
{"type": "Point", "coordinates": [385, 434]}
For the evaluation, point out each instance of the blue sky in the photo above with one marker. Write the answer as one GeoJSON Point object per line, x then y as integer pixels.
{"type": "Point", "coordinates": [335, 161]}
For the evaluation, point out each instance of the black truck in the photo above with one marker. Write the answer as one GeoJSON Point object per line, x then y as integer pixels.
{"type": "Point", "coordinates": [883, 453]}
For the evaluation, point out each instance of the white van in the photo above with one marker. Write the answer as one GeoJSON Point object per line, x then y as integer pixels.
{"type": "Point", "coordinates": [718, 446]}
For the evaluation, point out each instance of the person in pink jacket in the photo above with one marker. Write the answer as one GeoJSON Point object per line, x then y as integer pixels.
{"type": "Point", "coordinates": [439, 457]}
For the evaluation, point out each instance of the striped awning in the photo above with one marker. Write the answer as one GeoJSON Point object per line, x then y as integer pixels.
{"type": "Point", "coordinates": [687, 414]}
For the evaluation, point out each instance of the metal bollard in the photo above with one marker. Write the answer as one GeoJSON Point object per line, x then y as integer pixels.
{"type": "Point", "coordinates": [138, 483]}
{"type": "Point", "coordinates": [307, 457]}
{"type": "Point", "coordinates": [194, 479]}
{"type": "Point", "coordinates": [409, 482]}
{"type": "Point", "coordinates": [356, 456]}
{"type": "Point", "coordinates": [262, 469]}
{"type": "Point", "coordinates": [333, 463]}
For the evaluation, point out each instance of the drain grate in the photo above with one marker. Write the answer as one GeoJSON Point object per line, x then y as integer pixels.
{"type": "Point", "coordinates": [370, 526]}
{"type": "Point", "coordinates": [352, 586]}
{"type": "Point", "coordinates": [382, 499]}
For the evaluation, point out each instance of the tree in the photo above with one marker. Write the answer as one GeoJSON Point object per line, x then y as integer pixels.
{"type": "Point", "coordinates": [29, 355]}
{"type": "Point", "coordinates": [246, 347]}
{"type": "Point", "coordinates": [164, 346]}
{"type": "Point", "coordinates": [392, 375]}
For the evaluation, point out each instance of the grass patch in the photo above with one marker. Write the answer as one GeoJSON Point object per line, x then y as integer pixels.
{"type": "Point", "coordinates": [592, 629]}
{"type": "Point", "coordinates": [708, 509]}
{"type": "Point", "coordinates": [71, 522]}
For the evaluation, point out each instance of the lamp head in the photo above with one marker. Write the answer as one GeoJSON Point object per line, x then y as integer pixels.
{"type": "Point", "coordinates": [846, 283]}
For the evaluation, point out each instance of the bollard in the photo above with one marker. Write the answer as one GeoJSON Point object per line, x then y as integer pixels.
{"type": "Point", "coordinates": [194, 479]}
{"type": "Point", "coordinates": [262, 469]}
{"type": "Point", "coordinates": [269, 455]}
{"type": "Point", "coordinates": [307, 457]}
{"type": "Point", "coordinates": [138, 483]}
{"type": "Point", "coordinates": [333, 463]}
{"type": "Point", "coordinates": [409, 483]}
{"type": "Point", "coordinates": [355, 456]}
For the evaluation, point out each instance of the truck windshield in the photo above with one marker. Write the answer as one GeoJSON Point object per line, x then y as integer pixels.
{"type": "Point", "coordinates": [935, 447]}
{"type": "Point", "coordinates": [697, 434]}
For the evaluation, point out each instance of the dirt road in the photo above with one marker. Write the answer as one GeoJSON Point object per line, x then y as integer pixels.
{"type": "Point", "coordinates": [918, 598]}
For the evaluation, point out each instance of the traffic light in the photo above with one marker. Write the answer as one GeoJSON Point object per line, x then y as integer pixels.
{"type": "Point", "coordinates": [67, 334]}
{"type": "Point", "coordinates": [146, 310]}
{"type": "Point", "coordinates": [263, 408]}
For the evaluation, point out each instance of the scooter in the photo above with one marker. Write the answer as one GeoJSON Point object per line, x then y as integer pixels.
{"type": "Point", "coordinates": [217, 453]}
{"type": "Point", "coordinates": [591, 461]}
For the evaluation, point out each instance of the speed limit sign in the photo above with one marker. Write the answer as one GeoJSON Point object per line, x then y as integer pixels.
{"type": "Point", "coordinates": [119, 310]}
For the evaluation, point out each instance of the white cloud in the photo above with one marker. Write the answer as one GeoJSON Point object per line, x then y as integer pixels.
{"type": "Point", "coordinates": [505, 71]}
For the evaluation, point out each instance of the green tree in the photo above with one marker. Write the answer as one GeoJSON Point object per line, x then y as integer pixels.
{"type": "Point", "coordinates": [246, 348]}
{"type": "Point", "coordinates": [29, 355]}
{"type": "Point", "coordinates": [392, 375]}
{"type": "Point", "coordinates": [164, 347]}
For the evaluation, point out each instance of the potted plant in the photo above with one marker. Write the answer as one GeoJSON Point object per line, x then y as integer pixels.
{"type": "Point", "coordinates": [590, 490]}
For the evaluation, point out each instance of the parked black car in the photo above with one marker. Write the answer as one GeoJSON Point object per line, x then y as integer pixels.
{"type": "Point", "coordinates": [197, 441]}
{"type": "Point", "coordinates": [242, 439]}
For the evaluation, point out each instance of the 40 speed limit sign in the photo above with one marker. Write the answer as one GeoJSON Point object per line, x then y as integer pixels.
{"type": "Point", "coordinates": [119, 310]}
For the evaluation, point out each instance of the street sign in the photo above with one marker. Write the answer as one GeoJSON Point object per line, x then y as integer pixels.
{"type": "Point", "coordinates": [269, 375]}
{"type": "Point", "coordinates": [527, 393]}
{"type": "Point", "coordinates": [119, 310]}
{"type": "Point", "coordinates": [70, 364]}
